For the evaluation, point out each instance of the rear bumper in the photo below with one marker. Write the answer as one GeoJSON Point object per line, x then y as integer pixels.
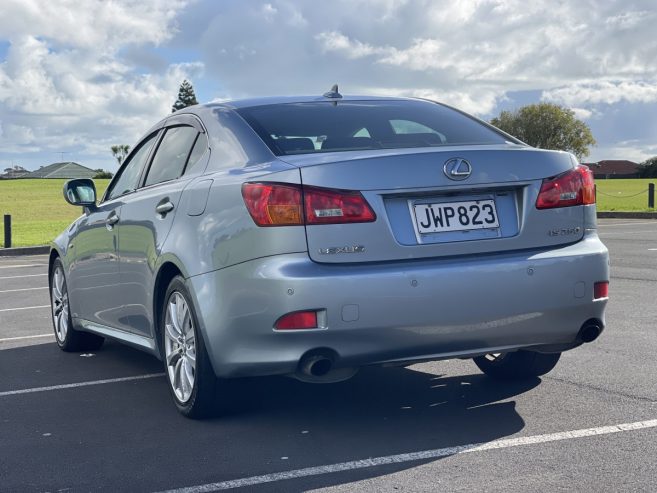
{"type": "Point", "coordinates": [401, 311]}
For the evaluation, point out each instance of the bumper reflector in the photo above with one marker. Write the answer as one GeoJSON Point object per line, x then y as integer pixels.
{"type": "Point", "coordinates": [297, 320]}
{"type": "Point", "coordinates": [601, 290]}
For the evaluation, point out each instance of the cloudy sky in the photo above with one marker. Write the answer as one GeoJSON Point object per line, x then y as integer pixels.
{"type": "Point", "coordinates": [77, 76]}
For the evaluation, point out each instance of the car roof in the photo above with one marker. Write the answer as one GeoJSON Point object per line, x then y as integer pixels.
{"type": "Point", "coordinates": [263, 101]}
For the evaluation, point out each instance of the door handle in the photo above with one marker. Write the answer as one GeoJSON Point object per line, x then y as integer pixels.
{"type": "Point", "coordinates": [111, 220]}
{"type": "Point", "coordinates": [164, 207]}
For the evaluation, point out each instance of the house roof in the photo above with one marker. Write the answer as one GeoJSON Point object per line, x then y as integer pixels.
{"type": "Point", "coordinates": [613, 167]}
{"type": "Point", "coordinates": [63, 170]}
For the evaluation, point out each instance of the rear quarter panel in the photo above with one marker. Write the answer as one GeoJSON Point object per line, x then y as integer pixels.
{"type": "Point", "coordinates": [224, 234]}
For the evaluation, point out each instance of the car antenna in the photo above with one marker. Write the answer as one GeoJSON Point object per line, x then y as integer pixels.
{"type": "Point", "coordinates": [333, 94]}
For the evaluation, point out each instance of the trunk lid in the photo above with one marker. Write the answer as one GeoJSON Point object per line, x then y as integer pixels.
{"type": "Point", "coordinates": [411, 194]}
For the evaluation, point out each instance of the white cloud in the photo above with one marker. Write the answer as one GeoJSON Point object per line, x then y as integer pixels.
{"type": "Point", "coordinates": [64, 85]}
{"type": "Point", "coordinates": [480, 103]}
{"type": "Point", "coordinates": [637, 152]}
{"type": "Point", "coordinates": [92, 73]}
{"type": "Point", "coordinates": [338, 42]}
{"type": "Point", "coordinates": [608, 92]}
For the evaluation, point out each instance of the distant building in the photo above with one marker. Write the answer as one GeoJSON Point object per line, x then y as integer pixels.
{"type": "Point", "coordinates": [614, 169]}
{"type": "Point", "coordinates": [63, 170]}
{"type": "Point", "coordinates": [14, 172]}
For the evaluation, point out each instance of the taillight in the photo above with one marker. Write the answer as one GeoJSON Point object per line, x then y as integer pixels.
{"type": "Point", "coordinates": [297, 320]}
{"type": "Point", "coordinates": [273, 204]}
{"type": "Point", "coordinates": [601, 290]}
{"type": "Point", "coordinates": [325, 206]}
{"type": "Point", "coordinates": [279, 204]}
{"type": "Point", "coordinates": [574, 187]}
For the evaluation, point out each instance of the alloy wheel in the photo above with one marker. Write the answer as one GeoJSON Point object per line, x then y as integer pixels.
{"type": "Point", "coordinates": [180, 346]}
{"type": "Point", "coordinates": [60, 307]}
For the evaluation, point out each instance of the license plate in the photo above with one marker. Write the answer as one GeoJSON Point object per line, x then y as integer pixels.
{"type": "Point", "coordinates": [455, 216]}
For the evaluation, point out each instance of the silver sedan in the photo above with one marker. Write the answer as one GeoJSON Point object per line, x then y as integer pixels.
{"type": "Point", "coordinates": [312, 236]}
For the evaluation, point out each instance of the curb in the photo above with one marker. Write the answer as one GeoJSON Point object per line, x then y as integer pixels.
{"type": "Point", "coordinates": [35, 250]}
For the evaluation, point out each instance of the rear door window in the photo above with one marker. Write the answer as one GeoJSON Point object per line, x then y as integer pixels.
{"type": "Point", "coordinates": [171, 155]}
{"type": "Point", "coordinates": [127, 179]}
{"type": "Point", "coordinates": [200, 146]}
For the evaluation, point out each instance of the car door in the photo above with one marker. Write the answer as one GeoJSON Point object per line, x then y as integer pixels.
{"type": "Point", "coordinates": [147, 216]}
{"type": "Point", "coordinates": [94, 279]}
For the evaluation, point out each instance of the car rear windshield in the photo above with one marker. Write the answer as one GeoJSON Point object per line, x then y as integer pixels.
{"type": "Point", "coordinates": [303, 128]}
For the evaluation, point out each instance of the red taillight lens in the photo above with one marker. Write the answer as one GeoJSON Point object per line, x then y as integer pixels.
{"type": "Point", "coordinates": [297, 320]}
{"type": "Point", "coordinates": [574, 187]}
{"type": "Point", "coordinates": [277, 204]}
{"type": "Point", "coordinates": [273, 204]}
{"type": "Point", "coordinates": [325, 206]}
{"type": "Point", "coordinates": [601, 290]}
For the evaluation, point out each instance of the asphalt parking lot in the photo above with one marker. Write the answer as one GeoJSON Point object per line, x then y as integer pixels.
{"type": "Point", "coordinates": [104, 421]}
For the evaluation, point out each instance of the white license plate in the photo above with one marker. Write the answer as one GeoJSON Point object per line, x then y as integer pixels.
{"type": "Point", "coordinates": [455, 216]}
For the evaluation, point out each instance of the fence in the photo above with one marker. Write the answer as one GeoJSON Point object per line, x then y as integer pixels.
{"type": "Point", "coordinates": [7, 221]}
{"type": "Point", "coordinates": [650, 191]}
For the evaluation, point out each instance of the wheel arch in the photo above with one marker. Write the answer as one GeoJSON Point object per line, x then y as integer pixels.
{"type": "Point", "coordinates": [54, 254]}
{"type": "Point", "coordinates": [167, 271]}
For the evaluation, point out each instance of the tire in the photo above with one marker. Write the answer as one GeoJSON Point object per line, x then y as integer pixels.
{"type": "Point", "coordinates": [68, 339]}
{"type": "Point", "coordinates": [192, 381]}
{"type": "Point", "coordinates": [517, 365]}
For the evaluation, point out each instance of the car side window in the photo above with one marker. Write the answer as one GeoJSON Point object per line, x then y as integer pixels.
{"type": "Point", "coordinates": [171, 155]}
{"type": "Point", "coordinates": [200, 146]}
{"type": "Point", "coordinates": [128, 176]}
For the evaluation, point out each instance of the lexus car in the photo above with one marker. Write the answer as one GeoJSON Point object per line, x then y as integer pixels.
{"type": "Point", "coordinates": [312, 236]}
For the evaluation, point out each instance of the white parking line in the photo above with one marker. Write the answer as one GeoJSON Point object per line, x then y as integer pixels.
{"type": "Point", "coordinates": [20, 277]}
{"type": "Point", "coordinates": [20, 338]}
{"type": "Point", "coordinates": [605, 234]}
{"type": "Point", "coordinates": [22, 289]}
{"type": "Point", "coordinates": [415, 456]}
{"type": "Point", "coordinates": [80, 384]}
{"type": "Point", "coordinates": [22, 265]}
{"type": "Point", "coordinates": [625, 224]}
{"type": "Point", "coordinates": [23, 308]}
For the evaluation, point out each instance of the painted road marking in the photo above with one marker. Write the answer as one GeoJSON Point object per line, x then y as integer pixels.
{"type": "Point", "coordinates": [22, 289]}
{"type": "Point", "coordinates": [605, 234]}
{"type": "Point", "coordinates": [26, 275]}
{"type": "Point", "coordinates": [22, 265]}
{"type": "Point", "coordinates": [626, 224]}
{"type": "Point", "coordinates": [80, 384]}
{"type": "Point", "coordinates": [7, 339]}
{"type": "Point", "coordinates": [415, 456]}
{"type": "Point", "coordinates": [23, 308]}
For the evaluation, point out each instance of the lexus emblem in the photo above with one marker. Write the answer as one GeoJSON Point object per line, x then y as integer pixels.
{"type": "Point", "coordinates": [457, 168]}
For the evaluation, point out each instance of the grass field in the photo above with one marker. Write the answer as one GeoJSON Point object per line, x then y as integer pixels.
{"type": "Point", "coordinates": [38, 209]}
{"type": "Point", "coordinates": [624, 195]}
{"type": "Point", "coordinates": [39, 212]}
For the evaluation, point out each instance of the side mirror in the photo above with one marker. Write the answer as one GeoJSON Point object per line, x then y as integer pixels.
{"type": "Point", "coordinates": [81, 191]}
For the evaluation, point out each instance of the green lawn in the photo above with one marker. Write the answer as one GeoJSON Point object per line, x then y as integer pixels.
{"type": "Point", "coordinates": [38, 209]}
{"type": "Point", "coordinates": [624, 195]}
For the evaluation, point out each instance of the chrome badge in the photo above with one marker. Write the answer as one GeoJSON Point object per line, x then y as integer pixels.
{"type": "Point", "coordinates": [457, 168]}
{"type": "Point", "coordinates": [344, 249]}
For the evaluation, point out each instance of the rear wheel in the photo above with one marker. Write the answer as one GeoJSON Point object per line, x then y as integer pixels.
{"type": "Point", "coordinates": [68, 339]}
{"type": "Point", "coordinates": [517, 365]}
{"type": "Point", "coordinates": [191, 378]}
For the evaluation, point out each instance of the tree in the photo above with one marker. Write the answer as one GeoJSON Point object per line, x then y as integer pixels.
{"type": "Point", "coordinates": [547, 126]}
{"type": "Point", "coordinates": [648, 168]}
{"type": "Point", "coordinates": [120, 152]}
{"type": "Point", "coordinates": [101, 173]}
{"type": "Point", "coordinates": [186, 97]}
